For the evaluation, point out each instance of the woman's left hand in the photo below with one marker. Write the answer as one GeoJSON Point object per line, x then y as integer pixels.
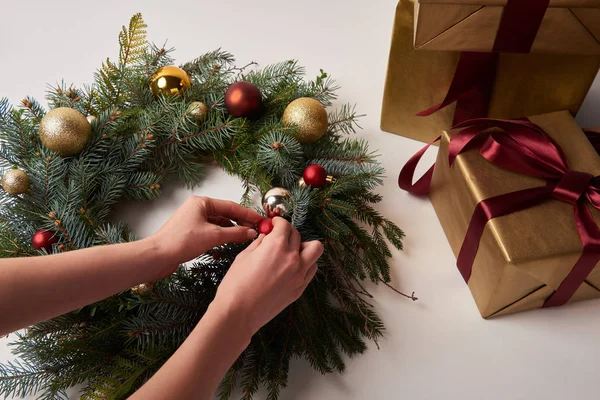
{"type": "Point", "coordinates": [200, 224]}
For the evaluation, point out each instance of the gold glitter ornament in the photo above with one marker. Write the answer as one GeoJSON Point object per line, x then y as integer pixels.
{"type": "Point", "coordinates": [198, 110]}
{"type": "Point", "coordinates": [170, 80]}
{"type": "Point", "coordinates": [143, 289]}
{"type": "Point", "coordinates": [15, 182]}
{"type": "Point", "coordinates": [308, 116]}
{"type": "Point", "coordinates": [65, 131]}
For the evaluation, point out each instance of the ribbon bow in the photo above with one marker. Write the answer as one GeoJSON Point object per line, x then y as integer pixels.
{"type": "Point", "coordinates": [523, 147]}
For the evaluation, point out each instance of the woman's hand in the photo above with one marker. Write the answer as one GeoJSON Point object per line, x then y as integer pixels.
{"type": "Point", "coordinates": [264, 279]}
{"type": "Point", "coordinates": [268, 276]}
{"type": "Point", "coordinates": [200, 224]}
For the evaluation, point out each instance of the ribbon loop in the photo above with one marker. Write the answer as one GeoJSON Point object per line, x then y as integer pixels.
{"type": "Point", "coordinates": [572, 186]}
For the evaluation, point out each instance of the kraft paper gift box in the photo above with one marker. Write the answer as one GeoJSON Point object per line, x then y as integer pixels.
{"type": "Point", "coordinates": [523, 257]}
{"type": "Point", "coordinates": [525, 84]}
{"type": "Point", "coordinates": [567, 26]}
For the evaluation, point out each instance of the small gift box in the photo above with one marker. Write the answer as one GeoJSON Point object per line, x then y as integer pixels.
{"type": "Point", "coordinates": [563, 26]}
{"type": "Point", "coordinates": [518, 201]}
{"type": "Point", "coordinates": [493, 85]}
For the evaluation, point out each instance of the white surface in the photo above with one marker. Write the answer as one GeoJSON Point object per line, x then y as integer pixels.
{"type": "Point", "coordinates": [436, 348]}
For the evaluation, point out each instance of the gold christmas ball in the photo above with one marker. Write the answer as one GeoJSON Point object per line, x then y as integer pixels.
{"type": "Point", "coordinates": [91, 119]}
{"type": "Point", "coordinates": [309, 117]}
{"type": "Point", "coordinates": [143, 289]}
{"type": "Point", "coordinates": [273, 202]}
{"type": "Point", "coordinates": [15, 182]}
{"type": "Point", "coordinates": [65, 131]}
{"type": "Point", "coordinates": [170, 80]}
{"type": "Point", "coordinates": [302, 184]}
{"type": "Point", "coordinates": [198, 110]}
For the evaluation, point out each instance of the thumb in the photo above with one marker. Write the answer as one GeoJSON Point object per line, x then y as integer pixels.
{"type": "Point", "coordinates": [236, 234]}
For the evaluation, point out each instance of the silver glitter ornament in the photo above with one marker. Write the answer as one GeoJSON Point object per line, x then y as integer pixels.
{"type": "Point", "coordinates": [273, 202]}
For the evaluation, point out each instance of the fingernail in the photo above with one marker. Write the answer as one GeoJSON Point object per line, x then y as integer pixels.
{"type": "Point", "coordinates": [251, 234]}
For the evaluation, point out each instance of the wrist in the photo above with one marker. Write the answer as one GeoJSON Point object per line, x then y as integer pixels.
{"type": "Point", "coordinates": [162, 263]}
{"type": "Point", "coordinates": [233, 317]}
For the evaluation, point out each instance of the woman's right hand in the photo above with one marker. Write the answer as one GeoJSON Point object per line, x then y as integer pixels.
{"type": "Point", "coordinates": [268, 276]}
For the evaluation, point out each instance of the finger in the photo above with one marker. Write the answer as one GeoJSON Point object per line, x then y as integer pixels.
{"type": "Point", "coordinates": [247, 224]}
{"type": "Point", "coordinates": [236, 234]}
{"type": "Point", "coordinates": [281, 228]}
{"type": "Point", "coordinates": [256, 243]}
{"type": "Point", "coordinates": [310, 252]}
{"type": "Point", "coordinates": [221, 221]}
{"type": "Point", "coordinates": [295, 239]}
{"type": "Point", "coordinates": [310, 273]}
{"type": "Point", "coordinates": [231, 210]}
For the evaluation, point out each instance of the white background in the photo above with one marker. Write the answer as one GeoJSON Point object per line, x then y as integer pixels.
{"type": "Point", "coordinates": [436, 348]}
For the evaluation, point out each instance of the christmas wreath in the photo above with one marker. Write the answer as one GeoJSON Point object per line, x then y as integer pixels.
{"type": "Point", "coordinates": [143, 121]}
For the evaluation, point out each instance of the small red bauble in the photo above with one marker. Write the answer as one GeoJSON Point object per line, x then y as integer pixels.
{"type": "Point", "coordinates": [265, 226]}
{"type": "Point", "coordinates": [43, 239]}
{"type": "Point", "coordinates": [315, 176]}
{"type": "Point", "coordinates": [243, 99]}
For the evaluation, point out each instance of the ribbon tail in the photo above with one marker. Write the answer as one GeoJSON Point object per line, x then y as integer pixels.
{"type": "Point", "coordinates": [492, 208]}
{"type": "Point", "coordinates": [590, 237]}
{"type": "Point", "coordinates": [471, 86]}
{"type": "Point", "coordinates": [405, 179]}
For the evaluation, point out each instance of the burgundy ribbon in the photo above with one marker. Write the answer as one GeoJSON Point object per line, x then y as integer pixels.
{"type": "Point", "coordinates": [519, 25]}
{"type": "Point", "coordinates": [471, 87]}
{"type": "Point", "coordinates": [523, 147]}
{"type": "Point", "coordinates": [593, 136]}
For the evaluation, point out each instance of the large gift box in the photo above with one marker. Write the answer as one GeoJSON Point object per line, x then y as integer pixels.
{"type": "Point", "coordinates": [566, 26]}
{"type": "Point", "coordinates": [516, 208]}
{"type": "Point", "coordinates": [521, 84]}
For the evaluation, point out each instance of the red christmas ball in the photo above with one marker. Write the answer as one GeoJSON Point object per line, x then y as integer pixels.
{"type": "Point", "coordinates": [243, 99]}
{"type": "Point", "coordinates": [265, 226]}
{"type": "Point", "coordinates": [43, 239]}
{"type": "Point", "coordinates": [315, 176]}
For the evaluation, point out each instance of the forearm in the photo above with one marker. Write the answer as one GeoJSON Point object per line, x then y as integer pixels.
{"type": "Point", "coordinates": [196, 369]}
{"type": "Point", "coordinates": [34, 289]}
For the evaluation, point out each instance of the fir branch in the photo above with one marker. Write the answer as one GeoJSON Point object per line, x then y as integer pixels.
{"type": "Point", "coordinates": [344, 120]}
{"type": "Point", "coordinates": [22, 379]}
{"type": "Point", "coordinates": [34, 110]}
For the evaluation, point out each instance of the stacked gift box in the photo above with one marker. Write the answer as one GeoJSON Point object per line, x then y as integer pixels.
{"type": "Point", "coordinates": [515, 183]}
{"type": "Point", "coordinates": [522, 84]}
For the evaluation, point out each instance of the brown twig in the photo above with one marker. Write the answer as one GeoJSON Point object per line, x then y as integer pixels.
{"type": "Point", "coordinates": [412, 296]}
